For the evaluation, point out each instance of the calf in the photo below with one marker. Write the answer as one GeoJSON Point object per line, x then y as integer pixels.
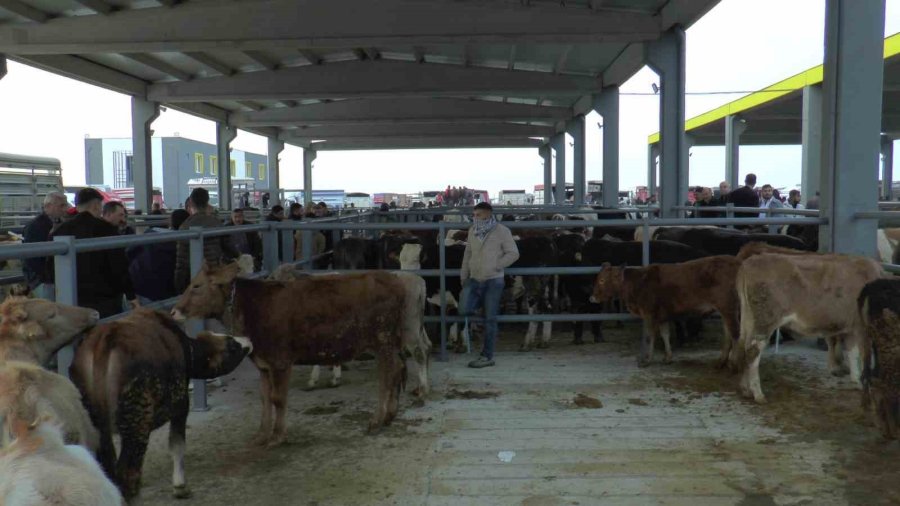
{"type": "Point", "coordinates": [417, 257]}
{"type": "Point", "coordinates": [537, 251]}
{"type": "Point", "coordinates": [355, 253]}
{"type": "Point", "coordinates": [811, 295]}
{"type": "Point", "coordinates": [38, 468]}
{"type": "Point", "coordinates": [33, 330]}
{"type": "Point", "coordinates": [29, 392]}
{"type": "Point", "coordinates": [879, 308]}
{"type": "Point", "coordinates": [659, 293]}
{"type": "Point", "coordinates": [574, 288]}
{"type": "Point", "coordinates": [315, 320]}
{"type": "Point", "coordinates": [134, 376]}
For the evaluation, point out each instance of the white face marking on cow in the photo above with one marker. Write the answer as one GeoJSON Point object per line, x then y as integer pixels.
{"type": "Point", "coordinates": [451, 300]}
{"type": "Point", "coordinates": [177, 315]}
{"type": "Point", "coordinates": [409, 257]}
{"type": "Point", "coordinates": [244, 342]}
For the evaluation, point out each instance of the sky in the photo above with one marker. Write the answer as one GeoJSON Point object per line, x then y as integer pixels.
{"type": "Point", "coordinates": [740, 45]}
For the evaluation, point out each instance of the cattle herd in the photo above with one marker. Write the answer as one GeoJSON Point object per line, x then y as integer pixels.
{"type": "Point", "coordinates": [131, 376]}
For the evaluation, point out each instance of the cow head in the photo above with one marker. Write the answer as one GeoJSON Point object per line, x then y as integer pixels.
{"type": "Point", "coordinates": [411, 257]}
{"type": "Point", "coordinates": [213, 355]}
{"type": "Point", "coordinates": [608, 284]}
{"type": "Point", "coordinates": [208, 293]}
{"type": "Point", "coordinates": [35, 329]}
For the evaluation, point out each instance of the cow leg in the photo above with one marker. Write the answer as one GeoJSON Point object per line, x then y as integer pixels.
{"type": "Point", "coordinates": [835, 357]}
{"type": "Point", "coordinates": [652, 330]}
{"type": "Point", "coordinates": [664, 332]}
{"type": "Point", "coordinates": [336, 376]}
{"type": "Point", "coordinates": [106, 453]}
{"type": "Point", "coordinates": [177, 428]}
{"type": "Point", "coordinates": [730, 329]}
{"type": "Point", "coordinates": [547, 334]}
{"type": "Point", "coordinates": [313, 378]}
{"type": "Point", "coordinates": [131, 459]}
{"type": "Point", "coordinates": [280, 380]}
{"type": "Point", "coordinates": [852, 346]}
{"type": "Point", "coordinates": [390, 379]}
{"type": "Point", "coordinates": [578, 330]}
{"type": "Point", "coordinates": [750, 384]}
{"type": "Point", "coordinates": [265, 421]}
{"type": "Point", "coordinates": [532, 330]}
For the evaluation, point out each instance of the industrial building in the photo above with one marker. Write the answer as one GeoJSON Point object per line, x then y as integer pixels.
{"type": "Point", "coordinates": [179, 165]}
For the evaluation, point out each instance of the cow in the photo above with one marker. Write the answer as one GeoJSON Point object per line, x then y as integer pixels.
{"type": "Point", "coordinates": [33, 330]}
{"type": "Point", "coordinates": [879, 309]}
{"type": "Point", "coordinates": [38, 468]}
{"type": "Point", "coordinates": [389, 246]}
{"type": "Point", "coordinates": [759, 248]}
{"type": "Point", "coordinates": [660, 293]}
{"type": "Point", "coordinates": [723, 241]}
{"type": "Point", "coordinates": [133, 374]}
{"type": "Point", "coordinates": [810, 295]}
{"type": "Point", "coordinates": [414, 256]}
{"type": "Point", "coordinates": [355, 253]}
{"type": "Point", "coordinates": [29, 392]}
{"type": "Point", "coordinates": [575, 288]}
{"type": "Point", "coordinates": [314, 320]}
{"type": "Point", "coordinates": [537, 251]}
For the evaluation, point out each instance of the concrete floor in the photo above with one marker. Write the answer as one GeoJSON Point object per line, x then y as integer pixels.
{"type": "Point", "coordinates": [670, 434]}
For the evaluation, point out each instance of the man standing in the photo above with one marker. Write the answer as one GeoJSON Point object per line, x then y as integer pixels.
{"type": "Point", "coordinates": [114, 213]}
{"type": "Point", "coordinates": [215, 249]}
{"type": "Point", "coordinates": [768, 200]}
{"type": "Point", "coordinates": [745, 196]}
{"type": "Point", "coordinates": [724, 192]}
{"type": "Point", "coordinates": [246, 243]}
{"type": "Point", "coordinates": [37, 274]}
{"type": "Point", "coordinates": [102, 275]}
{"type": "Point", "coordinates": [489, 250]}
{"type": "Point", "coordinates": [705, 199]}
{"type": "Point", "coordinates": [794, 200]}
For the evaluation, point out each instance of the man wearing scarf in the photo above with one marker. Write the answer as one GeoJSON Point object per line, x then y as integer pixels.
{"type": "Point", "coordinates": [490, 249]}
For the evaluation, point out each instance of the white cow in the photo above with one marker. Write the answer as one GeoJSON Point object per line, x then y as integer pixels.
{"type": "Point", "coordinates": [38, 469]}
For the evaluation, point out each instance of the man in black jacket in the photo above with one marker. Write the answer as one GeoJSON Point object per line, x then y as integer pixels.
{"type": "Point", "coordinates": [152, 266]}
{"type": "Point", "coordinates": [37, 274]}
{"type": "Point", "coordinates": [746, 196]}
{"type": "Point", "coordinates": [247, 243]}
{"type": "Point", "coordinates": [102, 275]}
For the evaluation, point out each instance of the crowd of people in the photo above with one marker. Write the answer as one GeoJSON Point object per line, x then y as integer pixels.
{"type": "Point", "coordinates": [454, 196]}
{"type": "Point", "coordinates": [112, 280]}
{"type": "Point", "coordinates": [748, 195]}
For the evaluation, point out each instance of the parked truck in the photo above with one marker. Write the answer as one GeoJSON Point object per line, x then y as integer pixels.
{"type": "Point", "coordinates": [24, 182]}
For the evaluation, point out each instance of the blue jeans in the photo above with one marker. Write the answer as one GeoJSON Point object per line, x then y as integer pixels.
{"type": "Point", "coordinates": [486, 295]}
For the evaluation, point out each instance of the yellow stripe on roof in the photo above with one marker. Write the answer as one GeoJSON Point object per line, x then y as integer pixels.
{"type": "Point", "coordinates": [781, 88]}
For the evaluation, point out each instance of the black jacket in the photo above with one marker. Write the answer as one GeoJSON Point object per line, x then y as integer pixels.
{"type": "Point", "coordinates": [254, 245]}
{"type": "Point", "coordinates": [744, 197]}
{"type": "Point", "coordinates": [152, 269]}
{"type": "Point", "coordinates": [102, 275]}
{"type": "Point", "coordinates": [215, 249]}
{"type": "Point", "coordinates": [35, 269]}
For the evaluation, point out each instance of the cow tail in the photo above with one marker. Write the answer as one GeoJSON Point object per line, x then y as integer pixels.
{"type": "Point", "coordinates": [738, 348]}
{"type": "Point", "coordinates": [869, 353]}
{"type": "Point", "coordinates": [100, 406]}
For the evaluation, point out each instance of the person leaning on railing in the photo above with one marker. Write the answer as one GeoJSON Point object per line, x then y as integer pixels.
{"type": "Point", "coordinates": [215, 249]}
{"type": "Point", "coordinates": [102, 275]}
{"type": "Point", "coordinates": [152, 266]}
{"type": "Point", "coordinates": [37, 275]}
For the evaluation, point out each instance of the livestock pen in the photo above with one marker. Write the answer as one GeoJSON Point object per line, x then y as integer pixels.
{"type": "Point", "coordinates": [564, 426]}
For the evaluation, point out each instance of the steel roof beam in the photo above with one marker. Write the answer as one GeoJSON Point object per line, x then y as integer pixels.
{"type": "Point", "coordinates": [370, 79]}
{"type": "Point", "coordinates": [98, 6]}
{"type": "Point", "coordinates": [160, 66]}
{"type": "Point", "coordinates": [448, 143]}
{"type": "Point", "coordinates": [417, 130]}
{"type": "Point", "coordinates": [211, 63]}
{"type": "Point", "coordinates": [262, 60]}
{"type": "Point", "coordinates": [25, 10]}
{"type": "Point", "coordinates": [408, 110]}
{"type": "Point", "coordinates": [310, 24]}
{"type": "Point", "coordinates": [86, 71]}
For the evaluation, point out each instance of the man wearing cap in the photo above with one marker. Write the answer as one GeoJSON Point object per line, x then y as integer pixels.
{"type": "Point", "coordinates": [215, 249]}
{"type": "Point", "coordinates": [490, 249]}
{"type": "Point", "coordinates": [39, 279]}
{"type": "Point", "coordinates": [102, 275]}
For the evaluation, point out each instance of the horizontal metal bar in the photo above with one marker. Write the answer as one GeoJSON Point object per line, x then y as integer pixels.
{"type": "Point", "coordinates": [32, 250]}
{"type": "Point", "coordinates": [877, 215]}
{"type": "Point", "coordinates": [524, 318]}
{"type": "Point", "coordinates": [512, 271]}
{"type": "Point", "coordinates": [124, 241]}
{"type": "Point", "coordinates": [11, 280]}
{"type": "Point", "coordinates": [894, 268]}
{"type": "Point", "coordinates": [779, 210]}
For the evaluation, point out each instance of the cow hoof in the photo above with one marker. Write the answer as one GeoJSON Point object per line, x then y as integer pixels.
{"type": "Point", "coordinates": [760, 400]}
{"type": "Point", "coordinates": [260, 440]}
{"type": "Point", "coordinates": [182, 492]}
{"type": "Point", "coordinates": [643, 363]}
{"type": "Point", "coordinates": [418, 403]}
{"type": "Point", "coordinates": [334, 384]}
{"type": "Point", "coordinates": [308, 388]}
{"type": "Point", "coordinates": [598, 340]}
{"type": "Point", "coordinates": [276, 441]}
{"type": "Point", "coordinates": [524, 348]}
{"type": "Point", "coordinates": [543, 345]}
{"type": "Point", "coordinates": [668, 361]}
{"type": "Point", "coordinates": [840, 372]}
{"type": "Point", "coordinates": [578, 342]}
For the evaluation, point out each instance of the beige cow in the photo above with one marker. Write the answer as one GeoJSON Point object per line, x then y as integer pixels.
{"type": "Point", "coordinates": [32, 330]}
{"type": "Point", "coordinates": [811, 295]}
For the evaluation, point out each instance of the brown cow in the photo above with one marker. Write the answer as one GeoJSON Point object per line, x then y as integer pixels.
{"type": "Point", "coordinates": [660, 293]}
{"type": "Point", "coordinates": [33, 330]}
{"type": "Point", "coordinates": [879, 308]}
{"type": "Point", "coordinates": [134, 376]}
{"type": "Point", "coordinates": [811, 295]}
{"type": "Point", "coordinates": [759, 248]}
{"type": "Point", "coordinates": [314, 320]}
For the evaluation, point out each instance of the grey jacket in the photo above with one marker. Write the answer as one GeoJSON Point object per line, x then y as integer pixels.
{"type": "Point", "coordinates": [215, 249]}
{"type": "Point", "coordinates": [486, 260]}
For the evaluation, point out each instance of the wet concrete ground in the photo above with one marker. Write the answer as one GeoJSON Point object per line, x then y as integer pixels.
{"type": "Point", "coordinates": [565, 426]}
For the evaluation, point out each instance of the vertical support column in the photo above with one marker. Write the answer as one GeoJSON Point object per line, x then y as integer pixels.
{"type": "Point", "coordinates": [224, 135]}
{"type": "Point", "coordinates": [667, 58]}
{"type": "Point", "coordinates": [559, 146]}
{"type": "Point", "coordinates": [887, 167]}
{"type": "Point", "coordinates": [143, 113]}
{"type": "Point", "coordinates": [270, 249]}
{"type": "Point", "coordinates": [273, 169]}
{"type": "Point", "coordinates": [607, 105]}
{"type": "Point", "coordinates": [812, 141]}
{"type": "Point", "coordinates": [547, 155]}
{"type": "Point", "coordinates": [851, 126]}
{"type": "Point", "coordinates": [652, 154]}
{"type": "Point", "coordinates": [308, 156]}
{"type": "Point", "coordinates": [575, 128]}
{"type": "Point", "coordinates": [2, 66]}
{"type": "Point", "coordinates": [194, 326]}
{"type": "Point", "coordinates": [734, 127]}
{"type": "Point", "coordinates": [66, 280]}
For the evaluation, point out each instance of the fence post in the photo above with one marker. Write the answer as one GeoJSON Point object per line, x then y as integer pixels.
{"type": "Point", "coordinates": [729, 213]}
{"type": "Point", "coordinates": [270, 249]}
{"type": "Point", "coordinates": [645, 241]}
{"type": "Point", "coordinates": [442, 266]}
{"type": "Point", "coordinates": [307, 252]}
{"type": "Point", "coordinates": [773, 229]}
{"type": "Point", "coordinates": [287, 246]}
{"type": "Point", "coordinates": [66, 279]}
{"type": "Point", "coordinates": [194, 326]}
